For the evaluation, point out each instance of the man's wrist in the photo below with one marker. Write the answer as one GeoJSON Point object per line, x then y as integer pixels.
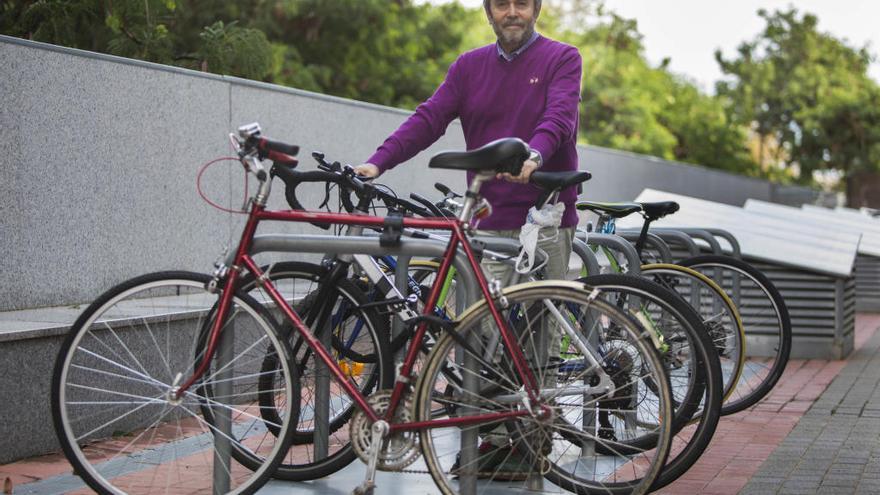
{"type": "Point", "coordinates": [535, 156]}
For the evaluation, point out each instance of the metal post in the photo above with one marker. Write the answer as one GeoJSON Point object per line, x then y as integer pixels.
{"type": "Point", "coordinates": [469, 437]}
{"type": "Point", "coordinates": [321, 411]}
{"type": "Point", "coordinates": [223, 416]}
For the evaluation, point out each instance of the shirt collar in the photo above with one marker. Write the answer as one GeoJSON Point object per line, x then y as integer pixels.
{"type": "Point", "coordinates": [510, 56]}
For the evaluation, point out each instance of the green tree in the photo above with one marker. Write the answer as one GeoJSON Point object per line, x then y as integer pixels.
{"type": "Point", "coordinates": [386, 52]}
{"type": "Point", "coordinates": [630, 105]}
{"type": "Point", "coordinates": [162, 31]}
{"type": "Point", "coordinates": [807, 93]}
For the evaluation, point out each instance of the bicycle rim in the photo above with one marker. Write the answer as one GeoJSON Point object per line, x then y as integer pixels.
{"type": "Point", "coordinates": [113, 404]}
{"type": "Point", "coordinates": [717, 312]}
{"type": "Point", "coordinates": [765, 320]}
{"type": "Point", "coordinates": [560, 448]}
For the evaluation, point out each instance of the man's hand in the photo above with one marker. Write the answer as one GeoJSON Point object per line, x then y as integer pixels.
{"type": "Point", "coordinates": [367, 170]}
{"type": "Point", "coordinates": [528, 167]}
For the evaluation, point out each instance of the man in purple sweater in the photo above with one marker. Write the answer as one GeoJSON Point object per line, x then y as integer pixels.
{"type": "Point", "coordinates": [524, 86]}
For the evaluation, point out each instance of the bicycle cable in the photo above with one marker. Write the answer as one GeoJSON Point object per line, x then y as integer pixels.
{"type": "Point", "coordinates": [204, 197]}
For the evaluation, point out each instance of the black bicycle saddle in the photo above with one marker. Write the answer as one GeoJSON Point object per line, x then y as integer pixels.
{"type": "Point", "coordinates": [552, 181]}
{"type": "Point", "coordinates": [659, 209]}
{"type": "Point", "coordinates": [613, 210]}
{"type": "Point", "coordinates": [502, 155]}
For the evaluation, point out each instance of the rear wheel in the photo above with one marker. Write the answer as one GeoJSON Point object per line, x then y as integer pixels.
{"type": "Point", "coordinates": [688, 355]}
{"type": "Point", "coordinates": [587, 357]}
{"type": "Point", "coordinates": [765, 320]}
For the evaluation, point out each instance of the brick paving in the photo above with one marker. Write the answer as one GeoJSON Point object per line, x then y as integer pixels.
{"type": "Point", "coordinates": [817, 432]}
{"type": "Point", "coordinates": [756, 451]}
{"type": "Point", "coordinates": [835, 447]}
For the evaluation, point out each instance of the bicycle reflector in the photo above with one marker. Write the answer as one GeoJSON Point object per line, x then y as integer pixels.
{"type": "Point", "coordinates": [483, 209]}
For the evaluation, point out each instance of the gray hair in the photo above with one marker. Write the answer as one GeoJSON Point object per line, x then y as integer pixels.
{"type": "Point", "coordinates": [537, 6]}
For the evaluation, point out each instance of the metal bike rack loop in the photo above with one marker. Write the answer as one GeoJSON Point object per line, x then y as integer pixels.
{"type": "Point", "coordinates": [587, 256]}
{"type": "Point", "coordinates": [730, 238]}
{"type": "Point", "coordinates": [616, 243]}
{"type": "Point", "coordinates": [701, 234]}
{"type": "Point", "coordinates": [652, 241]}
{"type": "Point", "coordinates": [669, 237]}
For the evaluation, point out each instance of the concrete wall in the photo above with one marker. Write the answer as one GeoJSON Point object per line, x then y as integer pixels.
{"type": "Point", "coordinates": [99, 157]}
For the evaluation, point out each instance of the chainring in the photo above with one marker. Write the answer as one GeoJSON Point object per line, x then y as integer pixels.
{"type": "Point", "coordinates": [400, 449]}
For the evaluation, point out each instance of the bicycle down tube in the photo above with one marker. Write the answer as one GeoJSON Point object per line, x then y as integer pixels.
{"type": "Point", "coordinates": [244, 260]}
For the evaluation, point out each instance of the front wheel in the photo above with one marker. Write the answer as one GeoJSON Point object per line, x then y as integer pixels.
{"type": "Point", "coordinates": [357, 339]}
{"type": "Point", "coordinates": [113, 402]}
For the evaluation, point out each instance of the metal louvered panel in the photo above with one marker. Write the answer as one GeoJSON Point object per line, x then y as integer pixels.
{"type": "Point", "coordinates": [867, 269]}
{"type": "Point", "coordinates": [822, 307]}
{"type": "Point", "coordinates": [822, 310]}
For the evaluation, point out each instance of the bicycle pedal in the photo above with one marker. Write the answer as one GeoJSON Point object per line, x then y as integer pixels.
{"type": "Point", "coordinates": [364, 490]}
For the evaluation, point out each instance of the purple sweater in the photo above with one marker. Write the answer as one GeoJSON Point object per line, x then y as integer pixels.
{"type": "Point", "coordinates": [534, 97]}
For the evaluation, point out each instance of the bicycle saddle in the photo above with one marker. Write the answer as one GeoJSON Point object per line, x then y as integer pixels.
{"type": "Point", "coordinates": [553, 181]}
{"type": "Point", "coordinates": [613, 210]}
{"type": "Point", "coordinates": [502, 155]}
{"type": "Point", "coordinates": [660, 209]}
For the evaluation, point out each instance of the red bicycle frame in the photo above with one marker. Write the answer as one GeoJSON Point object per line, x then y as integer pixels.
{"type": "Point", "coordinates": [242, 259]}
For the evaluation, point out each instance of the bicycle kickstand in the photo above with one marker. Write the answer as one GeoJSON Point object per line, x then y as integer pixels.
{"type": "Point", "coordinates": [379, 432]}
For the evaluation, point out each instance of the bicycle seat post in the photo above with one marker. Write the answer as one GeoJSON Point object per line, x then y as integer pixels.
{"type": "Point", "coordinates": [471, 197]}
{"type": "Point", "coordinates": [643, 236]}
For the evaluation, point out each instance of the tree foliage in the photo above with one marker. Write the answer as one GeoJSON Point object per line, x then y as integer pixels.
{"type": "Point", "coordinates": [794, 99]}
{"type": "Point", "coordinates": [630, 105]}
{"type": "Point", "coordinates": [807, 96]}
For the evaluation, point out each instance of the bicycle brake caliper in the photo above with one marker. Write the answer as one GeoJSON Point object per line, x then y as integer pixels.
{"type": "Point", "coordinates": [220, 271]}
{"type": "Point", "coordinates": [497, 294]}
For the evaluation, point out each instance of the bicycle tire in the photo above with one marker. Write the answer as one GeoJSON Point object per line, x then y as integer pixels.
{"type": "Point", "coordinates": [545, 454]}
{"type": "Point", "coordinates": [673, 315]}
{"type": "Point", "coordinates": [370, 355]}
{"type": "Point", "coordinates": [764, 315]}
{"type": "Point", "coordinates": [123, 359]}
{"type": "Point", "coordinates": [719, 314]}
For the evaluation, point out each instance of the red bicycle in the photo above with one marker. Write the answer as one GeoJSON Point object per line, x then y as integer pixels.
{"type": "Point", "coordinates": [163, 384]}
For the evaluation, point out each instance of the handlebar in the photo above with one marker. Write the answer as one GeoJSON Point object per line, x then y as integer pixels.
{"type": "Point", "coordinates": [348, 182]}
{"type": "Point", "coordinates": [427, 204]}
{"type": "Point", "coordinates": [252, 147]}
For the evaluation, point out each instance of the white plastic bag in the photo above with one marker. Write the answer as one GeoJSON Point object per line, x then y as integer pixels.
{"type": "Point", "coordinates": [547, 216]}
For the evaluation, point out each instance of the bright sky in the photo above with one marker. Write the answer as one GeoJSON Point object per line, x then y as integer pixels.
{"type": "Point", "coordinates": [689, 31]}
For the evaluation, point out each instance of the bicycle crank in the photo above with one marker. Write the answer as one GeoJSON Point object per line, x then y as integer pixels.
{"type": "Point", "coordinates": [395, 451]}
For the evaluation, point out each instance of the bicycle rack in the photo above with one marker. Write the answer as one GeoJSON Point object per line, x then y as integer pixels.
{"type": "Point", "coordinates": [615, 242]}
{"type": "Point", "coordinates": [668, 236]}
{"type": "Point", "coordinates": [587, 256]}
{"type": "Point", "coordinates": [697, 234]}
{"type": "Point", "coordinates": [652, 241]}
{"type": "Point", "coordinates": [727, 236]}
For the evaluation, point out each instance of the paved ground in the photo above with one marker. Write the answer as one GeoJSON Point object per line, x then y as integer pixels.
{"type": "Point", "coordinates": [818, 432]}
{"type": "Point", "coordinates": [752, 452]}
{"type": "Point", "coordinates": [835, 447]}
